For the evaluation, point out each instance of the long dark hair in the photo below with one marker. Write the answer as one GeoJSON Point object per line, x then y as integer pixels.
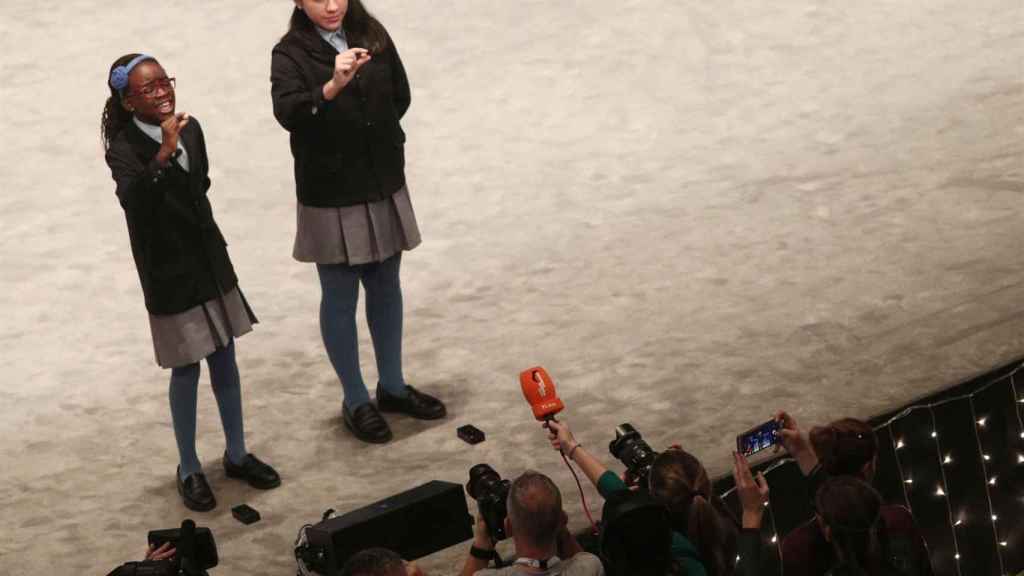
{"type": "Point", "coordinates": [851, 509]}
{"type": "Point", "coordinates": [845, 447]}
{"type": "Point", "coordinates": [115, 117]}
{"type": "Point", "coordinates": [679, 481]}
{"type": "Point", "coordinates": [361, 28]}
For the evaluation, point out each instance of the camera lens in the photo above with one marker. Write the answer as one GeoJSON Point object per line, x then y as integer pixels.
{"type": "Point", "coordinates": [482, 480]}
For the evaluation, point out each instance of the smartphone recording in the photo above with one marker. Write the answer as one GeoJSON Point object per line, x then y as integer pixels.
{"type": "Point", "coordinates": [759, 438]}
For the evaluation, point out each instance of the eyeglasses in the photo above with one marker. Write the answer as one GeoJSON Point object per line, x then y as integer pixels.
{"type": "Point", "coordinates": [149, 89]}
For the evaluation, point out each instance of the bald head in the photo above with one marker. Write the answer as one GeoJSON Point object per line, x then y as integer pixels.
{"type": "Point", "coordinates": [535, 509]}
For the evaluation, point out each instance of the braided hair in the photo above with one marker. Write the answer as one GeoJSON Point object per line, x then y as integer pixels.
{"type": "Point", "coordinates": [115, 116]}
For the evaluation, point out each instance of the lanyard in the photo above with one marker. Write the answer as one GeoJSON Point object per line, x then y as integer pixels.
{"type": "Point", "coordinates": [537, 564]}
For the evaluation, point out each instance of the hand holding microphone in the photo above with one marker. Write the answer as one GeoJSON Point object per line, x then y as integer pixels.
{"type": "Point", "coordinates": [561, 437]}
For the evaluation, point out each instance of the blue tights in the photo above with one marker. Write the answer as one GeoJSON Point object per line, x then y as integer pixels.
{"type": "Point", "coordinates": [339, 284]}
{"type": "Point", "coordinates": [226, 388]}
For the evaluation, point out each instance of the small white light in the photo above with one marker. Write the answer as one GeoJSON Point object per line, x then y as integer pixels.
{"type": "Point", "coordinates": [766, 504]}
{"type": "Point", "coordinates": [1003, 543]}
{"type": "Point", "coordinates": [935, 434]}
{"type": "Point", "coordinates": [737, 558]}
{"type": "Point", "coordinates": [939, 491]}
{"type": "Point", "coordinates": [1020, 458]}
{"type": "Point", "coordinates": [992, 481]}
{"type": "Point", "coordinates": [986, 457]}
{"type": "Point", "coordinates": [958, 522]}
{"type": "Point", "coordinates": [775, 539]}
{"type": "Point", "coordinates": [1021, 400]}
{"type": "Point", "coordinates": [981, 421]}
{"type": "Point", "coordinates": [994, 517]}
{"type": "Point", "coordinates": [957, 556]}
{"type": "Point", "coordinates": [899, 444]}
{"type": "Point", "coordinates": [948, 459]}
{"type": "Point", "coordinates": [908, 481]}
{"type": "Point", "coordinates": [1022, 434]}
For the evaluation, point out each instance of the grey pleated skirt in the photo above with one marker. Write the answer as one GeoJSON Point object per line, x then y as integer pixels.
{"type": "Point", "coordinates": [188, 337]}
{"type": "Point", "coordinates": [357, 234]}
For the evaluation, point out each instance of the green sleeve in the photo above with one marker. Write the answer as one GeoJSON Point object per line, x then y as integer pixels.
{"type": "Point", "coordinates": [609, 483]}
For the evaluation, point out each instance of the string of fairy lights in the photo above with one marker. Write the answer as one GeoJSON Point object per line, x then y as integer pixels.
{"type": "Point", "coordinates": [944, 459]}
{"type": "Point", "coordinates": [947, 459]}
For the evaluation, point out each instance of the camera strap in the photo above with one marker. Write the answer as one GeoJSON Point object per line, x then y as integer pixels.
{"type": "Point", "coordinates": [537, 564]}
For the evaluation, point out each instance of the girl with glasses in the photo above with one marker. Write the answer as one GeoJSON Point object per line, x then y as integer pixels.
{"type": "Point", "coordinates": [157, 158]}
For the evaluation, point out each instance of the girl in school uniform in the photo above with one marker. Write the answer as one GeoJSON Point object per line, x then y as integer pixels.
{"type": "Point", "coordinates": [339, 89]}
{"type": "Point", "coordinates": [196, 310]}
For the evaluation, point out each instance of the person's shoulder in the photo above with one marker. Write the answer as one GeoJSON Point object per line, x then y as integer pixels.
{"type": "Point", "coordinates": [509, 570]}
{"type": "Point", "coordinates": [801, 536]}
{"type": "Point", "coordinates": [293, 42]}
{"type": "Point", "coordinates": [583, 564]}
{"type": "Point", "coordinates": [898, 518]}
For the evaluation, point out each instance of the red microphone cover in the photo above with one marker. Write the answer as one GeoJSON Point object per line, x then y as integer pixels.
{"type": "Point", "coordinates": [539, 390]}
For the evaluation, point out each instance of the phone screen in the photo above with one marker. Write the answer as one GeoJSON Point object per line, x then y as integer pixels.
{"type": "Point", "coordinates": [753, 441]}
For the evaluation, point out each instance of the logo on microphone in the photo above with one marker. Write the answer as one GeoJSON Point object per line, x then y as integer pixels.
{"type": "Point", "coordinates": [541, 388]}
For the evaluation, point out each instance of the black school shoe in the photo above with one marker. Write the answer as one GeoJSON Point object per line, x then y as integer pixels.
{"type": "Point", "coordinates": [367, 424]}
{"type": "Point", "coordinates": [254, 471]}
{"type": "Point", "coordinates": [195, 492]}
{"type": "Point", "coordinates": [415, 404]}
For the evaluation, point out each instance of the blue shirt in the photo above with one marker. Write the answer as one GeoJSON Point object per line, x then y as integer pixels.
{"type": "Point", "coordinates": [335, 38]}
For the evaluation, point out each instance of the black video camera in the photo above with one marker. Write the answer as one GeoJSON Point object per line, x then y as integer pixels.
{"type": "Point", "coordinates": [634, 453]}
{"type": "Point", "coordinates": [491, 494]}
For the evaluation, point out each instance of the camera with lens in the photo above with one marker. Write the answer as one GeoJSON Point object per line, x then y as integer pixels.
{"type": "Point", "coordinates": [635, 454]}
{"type": "Point", "coordinates": [491, 494]}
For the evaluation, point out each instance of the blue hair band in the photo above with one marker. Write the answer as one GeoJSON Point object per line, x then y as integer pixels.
{"type": "Point", "coordinates": [119, 75]}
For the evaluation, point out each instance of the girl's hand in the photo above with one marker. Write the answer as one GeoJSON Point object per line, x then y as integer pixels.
{"type": "Point", "coordinates": [560, 436]}
{"type": "Point", "coordinates": [346, 65]}
{"type": "Point", "coordinates": [170, 128]}
{"type": "Point", "coordinates": [752, 492]}
{"type": "Point", "coordinates": [796, 443]}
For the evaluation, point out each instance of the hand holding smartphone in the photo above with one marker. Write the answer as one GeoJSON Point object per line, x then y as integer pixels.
{"type": "Point", "coordinates": [759, 438]}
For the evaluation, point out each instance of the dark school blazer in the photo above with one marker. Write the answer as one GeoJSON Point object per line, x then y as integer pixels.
{"type": "Point", "coordinates": [180, 254]}
{"type": "Point", "coordinates": [349, 150]}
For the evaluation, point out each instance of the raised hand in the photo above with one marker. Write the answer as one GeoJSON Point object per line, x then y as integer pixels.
{"type": "Point", "coordinates": [560, 436]}
{"type": "Point", "coordinates": [170, 128]}
{"type": "Point", "coordinates": [752, 491]}
{"type": "Point", "coordinates": [346, 65]}
{"type": "Point", "coordinates": [795, 441]}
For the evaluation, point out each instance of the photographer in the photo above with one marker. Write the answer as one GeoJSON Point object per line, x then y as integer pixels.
{"type": "Point", "coordinates": [538, 527]}
{"type": "Point", "coordinates": [843, 448]}
{"type": "Point", "coordinates": [704, 539]}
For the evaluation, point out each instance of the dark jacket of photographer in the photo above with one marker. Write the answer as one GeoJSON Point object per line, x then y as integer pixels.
{"type": "Point", "coordinates": [349, 150]}
{"type": "Point", "coordinates": [179, 251]}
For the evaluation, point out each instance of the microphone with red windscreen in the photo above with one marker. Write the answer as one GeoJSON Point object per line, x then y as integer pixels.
{"type": "Point", "coordinates": [539, 390]}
